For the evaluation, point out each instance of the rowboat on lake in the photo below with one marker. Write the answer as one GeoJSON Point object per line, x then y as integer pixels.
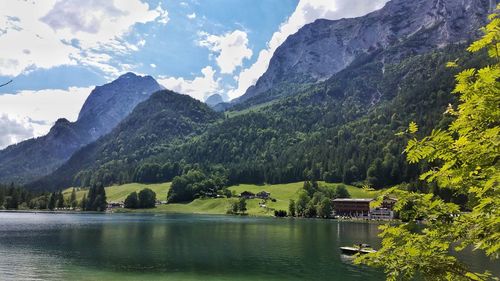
{"type": "Point", "coordinates": [358, 249]}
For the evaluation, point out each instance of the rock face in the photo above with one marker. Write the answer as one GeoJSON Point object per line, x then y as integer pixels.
{"type": "Point", "coordinates": [105, 107]}
{"type": "Point", "coordinates": [325, 47]}
{"type": "Point", "coordinates": [213, 100]}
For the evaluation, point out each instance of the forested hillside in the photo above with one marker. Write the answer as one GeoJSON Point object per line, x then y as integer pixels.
{"type": "Point", "coordinates": [161, 122]}
{"type": "Point", "coordinates": [340, 129]}
{"type": "Point", "coordinates": [343, 129]}
{"type": "Point", "coordinates": [104, 108]}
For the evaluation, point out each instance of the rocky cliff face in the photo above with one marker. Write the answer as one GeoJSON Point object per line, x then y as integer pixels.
{"type": "Point", "coordinates": [325, 47]}
{"type": "Point", "coordinates": [105, 107]}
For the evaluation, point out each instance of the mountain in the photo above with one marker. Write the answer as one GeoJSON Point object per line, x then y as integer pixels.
{"type": "Point", "coordinates": [105, 107]}
{"type": "Point", "coordinates": [160, 122]}
{"type": "Point", "coordinates": [325, 47]}
{"type": "Point", "coordinates": [337, 126]}
{"type": "Point", "coordinates": [213, 100]}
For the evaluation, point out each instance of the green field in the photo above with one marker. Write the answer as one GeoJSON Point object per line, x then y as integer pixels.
{"type": "Point", "coordinates": [118, 193]}
{"type": "Point", "coordinates": [281, 192]}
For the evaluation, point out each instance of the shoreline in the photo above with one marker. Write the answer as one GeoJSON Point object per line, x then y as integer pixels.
{"type": "Point", "coordinates": [145, 211]}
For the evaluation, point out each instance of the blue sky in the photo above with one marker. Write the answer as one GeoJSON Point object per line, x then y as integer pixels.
{"type": "Point", "coordinates": [56, 51]}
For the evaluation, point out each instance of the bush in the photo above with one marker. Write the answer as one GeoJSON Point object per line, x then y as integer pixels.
{"type": "Point", "coordinates": [280, 213]}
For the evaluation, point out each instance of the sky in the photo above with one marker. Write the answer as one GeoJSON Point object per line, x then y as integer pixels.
{"type": "Point", "coordinates": [57, 51]}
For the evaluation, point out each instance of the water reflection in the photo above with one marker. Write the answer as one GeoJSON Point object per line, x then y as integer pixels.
{"type": "Point", "coordinates": [178, 247]}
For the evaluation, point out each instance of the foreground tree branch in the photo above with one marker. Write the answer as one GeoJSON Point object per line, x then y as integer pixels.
{"type": "Point", "coordinates": [464, 158]}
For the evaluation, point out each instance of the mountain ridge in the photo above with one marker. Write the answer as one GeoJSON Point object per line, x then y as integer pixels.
{"type": "Point", "coordinates": [153, 124]}
{"type": "Point", "coordinates": [103, 109]}
{"type": "Point", "coordinates": [322, 48]}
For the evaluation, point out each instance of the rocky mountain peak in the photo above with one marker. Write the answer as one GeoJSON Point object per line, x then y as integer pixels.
{"type": "Point", "coordinates": [109, 104]}
{"type": "Point", "coordinates": [106, 106]}
{"type": "Point", "coordinates": [325, 47]}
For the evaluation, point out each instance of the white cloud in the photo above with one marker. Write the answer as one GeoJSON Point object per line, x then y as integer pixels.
{"type": "Point", "coordinates": [163, 17]}
{"type": "Point", "coordinates": [152, 65]}
{"type": "Point", "coordinates": [44, 34]}
{"type": "Point", "coordinates": [306, 12]}
{"type": "Point", "coordinates": [198, 88]}
{"type": "Point", "coordinates": [231, 48]}
{"type": "Point", "coordinates": [36, 111]}
{"type": "Point", "coordinates": [191, 16]}
{"type": "Point", "coordinates": [13, 131]}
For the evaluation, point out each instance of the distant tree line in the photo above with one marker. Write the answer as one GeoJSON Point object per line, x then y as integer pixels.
{"type": "Point", "coordinates": [14, 197]}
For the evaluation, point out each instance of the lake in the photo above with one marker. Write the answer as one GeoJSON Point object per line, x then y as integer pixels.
{"type": "Point", "coordinates": [47, 246]}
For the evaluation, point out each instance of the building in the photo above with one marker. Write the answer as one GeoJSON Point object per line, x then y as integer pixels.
{"type": "Point", "coordinates": [263, 195]}
{"type": "Point", "coordinates": [381, 214]}
{"type": "Point", "coordinates": [114, 205]}
{"type": "Point", "coordinates": [389, 202]}
{"type": "Point", "coordinates": [247, 195]}
{"type": "Point", "coordinates": [352, 207]}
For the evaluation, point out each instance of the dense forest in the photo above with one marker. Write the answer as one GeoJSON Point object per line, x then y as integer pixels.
{"type": "Point", "coordinates": [341, 130]}
{"type": "Point", "coordinates": [14, 197]}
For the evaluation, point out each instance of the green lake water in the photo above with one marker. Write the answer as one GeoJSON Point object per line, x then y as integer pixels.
{"type": "Point", "coordinates": [45, 246]}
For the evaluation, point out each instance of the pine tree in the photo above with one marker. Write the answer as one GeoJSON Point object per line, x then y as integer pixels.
{"type": "Point", "coordinates": [89, 202]}
{"type": "Point", "coordinates": [72, 199]}
{"type": "Point", "coordinates": [60, 200]}
{"type": "Point", "coordinates": [52, 201]}
{"type": "Point", "coordinates": [291, 208]}
{"type": "Point", "coordinates": [83, 203]}
{"type": "Point", "coordinates": [2, 197]}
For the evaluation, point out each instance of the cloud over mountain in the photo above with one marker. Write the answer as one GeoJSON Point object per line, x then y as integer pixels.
{"type": "Point", "coordinates": [306, 12]}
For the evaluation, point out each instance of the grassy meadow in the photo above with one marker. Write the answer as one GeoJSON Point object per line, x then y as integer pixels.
{"type": "Point", "coordinates": [281, 192]}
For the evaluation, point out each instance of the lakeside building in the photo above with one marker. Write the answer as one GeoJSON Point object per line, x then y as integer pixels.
{"type": "Point", "coordinates": [360, 208]}
{"type": "Point", "coordinates": [352, 207]}
{"type": "Point", "coordinates": [381, 214]}
{"type": "Point", "coordinates": [114, 205]}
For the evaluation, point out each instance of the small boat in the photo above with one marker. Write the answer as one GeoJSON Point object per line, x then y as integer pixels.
{"type": "Point", "coordinates": [358, 249]}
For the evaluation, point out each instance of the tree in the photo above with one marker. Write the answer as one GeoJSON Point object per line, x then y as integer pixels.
{"type": "Point", "coordinates": [291, 208]}
{"type": "Point", "coordinates": [83, 203]}
{"type": "Point", "coordinates": [302, 203]}
{"type": "Point", "coordinates": [72, 200]}
{"type": "Point", "coordinates": [2, 197]}
{"type": "Point", "coordinates": [324, 209]}
{"type": "Point", "coordinates": [132, 201]}
{"type": "Point", "coordinates": [242, 205]}
{"type": "Point", "coordinates": [100, 200]}
{"type": "Point", "coordinates": [233, 209]}
{"type": "Point", "coordinates": [52, 201]}
{"type": "Point", "coordinates": [147, 198]}
{"type": "Point", "coordinates": [341, 192]}
{"type": "Point", "coordinates": [96, 198]}
{"type": "Point", "coordinates": [463, 158]}
{"type": "Point", "coordinates": [60, 200]}
{"type": "Point", "coordinates": [310, 211]}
